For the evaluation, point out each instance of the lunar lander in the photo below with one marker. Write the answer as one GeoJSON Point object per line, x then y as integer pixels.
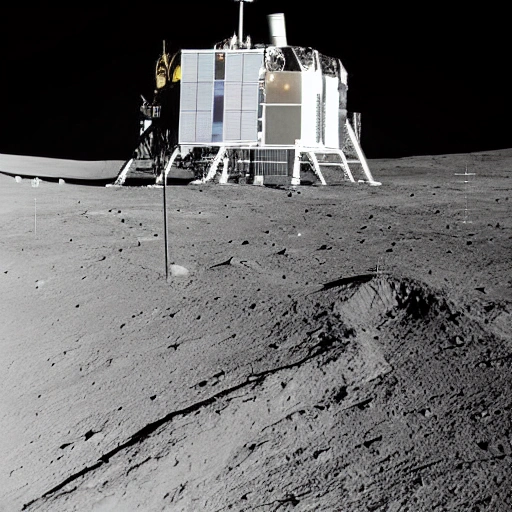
{"type": "Point", "coordinates": [265, 114]}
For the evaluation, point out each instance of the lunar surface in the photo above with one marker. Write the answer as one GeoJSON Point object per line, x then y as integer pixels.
{"type": "Point", "coordinates": [339, 348]}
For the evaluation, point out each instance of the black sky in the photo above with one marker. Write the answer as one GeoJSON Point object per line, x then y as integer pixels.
{"type": "Point", "coordinates": [426, 79]}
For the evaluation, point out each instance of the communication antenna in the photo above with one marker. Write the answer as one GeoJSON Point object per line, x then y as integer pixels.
{"type": "Point", "coordinates": [466, 175]}
{"type": "Point", "coordinates": [241, 20]}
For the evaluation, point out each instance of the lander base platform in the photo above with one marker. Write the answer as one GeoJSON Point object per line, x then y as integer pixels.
{"type": "Point", "coordinates": [270, 166]}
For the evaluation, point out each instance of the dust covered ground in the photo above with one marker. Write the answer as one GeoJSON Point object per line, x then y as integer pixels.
{"type": "Point", "coordinates": [335, 348]}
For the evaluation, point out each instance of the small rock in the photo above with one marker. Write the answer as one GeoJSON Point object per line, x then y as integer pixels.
{"type": "Point", "coordinates": [179, 271]}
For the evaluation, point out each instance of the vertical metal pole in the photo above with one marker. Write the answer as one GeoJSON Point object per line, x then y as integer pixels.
{"type": "Point", "coordinates": [165, 231]}
{"type": "Point", "coordinates": [241, 23]}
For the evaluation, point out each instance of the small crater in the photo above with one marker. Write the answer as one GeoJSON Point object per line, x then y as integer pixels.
{"type": "Point", "coordinates": [483, 445]}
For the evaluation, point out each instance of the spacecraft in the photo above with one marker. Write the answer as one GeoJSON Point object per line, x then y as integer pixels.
{"type": "Point", "coordinates": [263, 114]}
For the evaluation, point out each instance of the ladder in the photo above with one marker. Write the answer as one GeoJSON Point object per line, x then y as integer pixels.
{"type": "Point", "coordinates": [325, 158]}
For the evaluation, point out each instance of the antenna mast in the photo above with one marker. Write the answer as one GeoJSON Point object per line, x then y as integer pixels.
{"type": "Point", "coordinates": [466, 175]}
{"type": "Point", "coordinates": [241, 20]}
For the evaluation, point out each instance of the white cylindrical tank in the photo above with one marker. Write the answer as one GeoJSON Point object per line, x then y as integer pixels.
{"type": "Point", "coordinates": [277, 29]}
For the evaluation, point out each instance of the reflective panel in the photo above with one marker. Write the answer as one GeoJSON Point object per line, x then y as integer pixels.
{"type": "Point", "coordinates": [234, 62]}
{"type": "Point", "coordinates": [283, 87]}
{"type": "Point", "coordinates": [218, 111]}
{"type": "Point", "coordinates": [189, 67]}
{"type": "Point", "coordinates": [282, 124]}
